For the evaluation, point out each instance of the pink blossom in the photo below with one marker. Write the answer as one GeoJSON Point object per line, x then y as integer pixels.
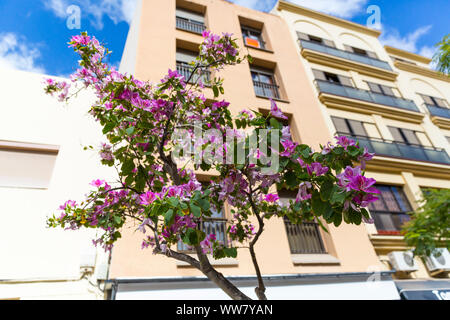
{"type": "Point", "coordinates": [275, 111]}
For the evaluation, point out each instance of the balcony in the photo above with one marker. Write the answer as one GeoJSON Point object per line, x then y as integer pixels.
{"type": "Point", "coordinates": [186, 69]}
{"type": "Point", "coordinates": [191, 26]}
{"type": "Point", "coordinates": [343, 97]}
{"type": "Point", "coordinates": [440, 116]}
{"type": "Point", "coordinates": [266, 90]}
{"type": "Point", "coordinates": [382, 147]}
{"type": "Point", "coordinates": [320, 53]}
{"type": "Point", "coordinates": [304, 238]}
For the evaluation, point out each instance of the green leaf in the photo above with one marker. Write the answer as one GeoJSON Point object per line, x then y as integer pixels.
{"type": "Point", "coordinates": [320, 207]}
{"type": "Point", "coordinates": [174, 202]}
{"type": "Point", "coordinates": [230, 252]}
{"type": "Point", "coordinates": [274, 123]}
{"type": "Point", "coordinates": [129, 131]}
{"type": "Point", "coordinates": [291, 179]}
{"type": "Point", "coordinates": [196, 211]}
{"type": "Point", "coordinates": [338, 196]}
{"type": "Point", "coordinates": [127, 166]}
{"type": "Point", "coordinates": [337, 219]}
{"type": "Point", "coordinates": [204, 204]}
{"type": "Point", "coordinates": [216, 91]}
{"type": "Point", "coordinates": [108, 127]}
{"type": "Point", "coordinates": [326, 190]}
{"type": "Point", "coordinates": [169, 216]}
{"type": "Point", "coordinates": [117, 220]}
{"type": "Point", "coordinates": [191, 237]}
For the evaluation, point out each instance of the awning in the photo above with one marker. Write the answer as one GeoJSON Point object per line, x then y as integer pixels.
{"type": "Point", "coordinates": [339, 286]}
{"type": "Point", "coordinates": [424, 289]}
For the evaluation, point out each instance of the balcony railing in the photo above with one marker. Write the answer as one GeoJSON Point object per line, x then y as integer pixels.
{"type": "Point", "coordinates": [382, 147]}
{"type": "Point", "coordinates": [214, 226]}
{"type": "Point", "coordinates": [345, 54]}
{"type": "Point", "coordinates": [438, 111]}
{"type": "Point", "coordinates": [185, 70]}
{"type": "Point", "coordinates": [191, 26]}
{"type": "Point", "coordinates": [365, 95]}
{"type": "Point", "coordinates": [389, 222]}
{"type": "Point", "coordinates": [266, 89]}
{"type": "Point", "coordinates": [304, 238]}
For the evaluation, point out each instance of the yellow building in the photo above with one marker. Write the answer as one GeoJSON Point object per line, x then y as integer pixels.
{"type": "Point", "coordinates": [396, 106]}
{"type": "Point", "coordinates": [298, 262]}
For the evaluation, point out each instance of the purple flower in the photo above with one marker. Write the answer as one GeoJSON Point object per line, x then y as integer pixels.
{"type": "Point", "coordinates": [345, 142]}
{"type": "Point", "coordinates": [97, 183]}
{"type": "Point", "coordinates": [147, 198]}
{"type": "Point", "coordinates": [303, 194]}
{"type": "Point", "coordinates": [271, 197]}
{"type": "Point", "coordinates": [316, 168]}
{"type": "Point", "coordinates": [366, 156]}
{"type": "Point", "coordinates": [361, 183]}
{"type": "Point", "coordinates": [275, 111]}
{"type": "Point", "coordinates": [289, 148]}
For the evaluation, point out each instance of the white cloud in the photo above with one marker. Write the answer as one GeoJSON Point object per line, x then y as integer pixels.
{"type": "Point", "coordinates": [95, 10]}
{"type": "Point", "coordinates": [340, 8]}
{"type": "Point", "coordinates": [427, 51]}
{"type": "Point", "coordinates": [16, 54]}
{"type": "Point", "coordinates": [408, 42]}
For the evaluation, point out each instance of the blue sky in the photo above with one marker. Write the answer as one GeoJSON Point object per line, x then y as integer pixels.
{"type": "Point", "coordinates": [34, 33]}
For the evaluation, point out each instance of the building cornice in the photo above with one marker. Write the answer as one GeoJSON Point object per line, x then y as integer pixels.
{"type": "Point", "coordinates": [407, 55]}
{"type": "Point", "coordinates": [283, 5]}
{"type": "Point", "coordinates": [344, 64]}
{"type": "Point", "coordinates": [421, 70]}
{"type": "Point", "coordinates": [418, 168]}
{"type": "Point", "coordinates": [359, 106]}
{"type": "Point", "coordinates": [443, 123]}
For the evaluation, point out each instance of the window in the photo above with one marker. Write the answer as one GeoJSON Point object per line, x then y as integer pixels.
{"type": "Point", "coordinates": [433, 101]}
{"type": "Point", "coordinates": [349, 127]}
{"type": "Point", "coordinates": [361, 52]}
{"type": "Point", "coordinates": [264, 83]}
{"type": "Point", "coordinates": [390, 210]}
{"type": "Point", "coordinates": [315, 39]}
{"type": "Point", "coordinates": [402, 60]}
{"type": "Point", "coordinates": [303, 238]}
{"type": "Point", "coordinates": [26, 165]}
{"type": "Point", "coordinates": [253, 37]}
{"type": "Point", "coordinates": [190, 21]}
{"type": "Point", "coordinates": [381, 89]}
{"type": "Point", "coordinates": [184, 58]}
{"type": "Point", "coordinates": [333, 78]}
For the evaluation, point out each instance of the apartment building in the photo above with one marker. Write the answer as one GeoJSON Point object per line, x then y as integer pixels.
{"type": "Point", "coordinates": [42, 165]}
{"type": "Point", "coordinates": [298, 262]}
{"type": "Point", "coordinates": [396, 106]}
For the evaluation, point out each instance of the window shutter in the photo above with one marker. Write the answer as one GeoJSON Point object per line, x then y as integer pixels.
{"type": "Point", "coordinates": [185, 56]}
{"type": "Point", "coordinates": [348, 48]}
{"type": "Point", "coordinates": [387, 91]}
{"type": "Point", "coordinates": [374, 87]}
{"type": "Point", "coordinates": [329, 43]}
{"type": "Point", "coordinates": [302, 36]}
{"type": "Point", "coordinates": [396, 134]}
{"type": "Point", "coordinates": [411, 136]}
{"type": "Point", "coordinates": [357, 128]}
{"type": "Point", "coordinates": [346, 81]}
{"type": "Point", "coordinates": [427, 99]}
{"type": "Point", "coordinates": [190, 15]}
{"type": "Point", "coordinates": [372, 54]}
{"type": "Point", "coordinates": [441, 102]}
{"type": "Point", "coordinates": [341, 125]}
{"type": "Point", "coordinates": [319, 75]}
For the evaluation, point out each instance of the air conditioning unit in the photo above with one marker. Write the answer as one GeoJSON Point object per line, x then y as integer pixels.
{"type": "Point", "coordinates": [403, 261]}
{"type": "Point", "coordinates": [438, 264]}
{"type": "Point", "coordinates": [87, 261]}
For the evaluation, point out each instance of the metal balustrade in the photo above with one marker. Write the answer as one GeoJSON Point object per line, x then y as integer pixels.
{"type": "Point", "coordinates": [345, 54]}
{"type": "Point", "coordinates": [365, 95]}
{"type": "Point", "coordinates": [382, 147]}
{"type": "Point", "coordinates": [304, 238]}
{"type": "Point", "coordinates": [386, 221]}
{"type": "Point", "coordinates": [185, 70]}
{"type": "Point", "coordinates": [266, 89]}
{"type": "Point", "coordinates": [190, 26]}
{"type": "Point", "coordinates": [438, 111]}
{"type": "Point", "coordinates": [209, 226]}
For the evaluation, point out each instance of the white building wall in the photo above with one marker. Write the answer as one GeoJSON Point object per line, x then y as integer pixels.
{"type": "Point", "coordinates": [28, 249]}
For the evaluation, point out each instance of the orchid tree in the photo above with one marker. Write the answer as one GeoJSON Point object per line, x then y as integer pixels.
{"type": "Point", "coordinates": [157, 167]}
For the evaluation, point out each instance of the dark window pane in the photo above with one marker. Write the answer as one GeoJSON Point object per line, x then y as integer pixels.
{"type": "Point", "coordinates": [401, 199]}
{"type": "Point", "coordinates": [390, 201]}
{"type": "Point", "coordinates": [315, 39]}
{"type": "Point", "coordinates": [359, 51]}
{"type": "Point", "coordinates": [427, 99]}
{"type": "Point", "coordinates": [332, 77]}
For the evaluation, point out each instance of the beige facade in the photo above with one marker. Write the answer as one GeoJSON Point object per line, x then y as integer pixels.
{"type": "Point", "coordinates": [157, 40]}
{"type": "Point", "coordinates": [390, 100]}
